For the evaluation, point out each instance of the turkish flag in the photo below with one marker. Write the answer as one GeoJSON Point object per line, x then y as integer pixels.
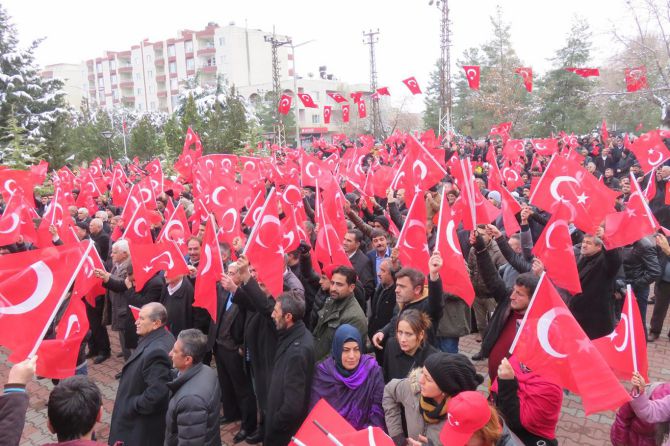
{"type": "Point", "coordinates": [34, 285]}
{"type": "Point", "coordinates": [176, 229]}
{"type": "Point", "coordinates": [379, 180]}
{"type": "Point", "coordinates": [566, 181]}
{"type": "Point", "coordinates": [383, 91]}
{"type": "Point", "coordinates": [39, 172]}
{"type": "Point", "coordinates": [327, 111]}
{"type": "Point", "coordinates": [135, 311]}
{"type": "Point", "coordinates": [633, 223]}
{"type": "Point", "coordinates": [604, 133]}
{"type": "Point", "coordinates": [545, 147]}
{"type": "Point", "coordinates": [86, 285]}
{"type": "Point", "coordinates": [148, 259]}
{"type": "Point", "coordinates": [636, 78]}
{"type": "Point", "coordinates": [57, 358]}
{"type": "Point", "coordinates": [284, 105]}
{"type": "Point", "coordinates": [454, 274]}
{"type": "Point", "coordinates": [264, 248]}
{"type": "Point", "coordinates": [370, 436]}
{"type": "Point", "coordinates": [526, 74]}
{"type": "Point", "coordinates": [156, 177]}
{"type": "Point", "coordinates": [138, 228]}
{"type": "Point", "coordinates": [584, 72]}
{"type": "Point", "coordinates": [554, 249]}
{"type": "Point", "coordinates": [307, 100]}
{"type": "Point", "coordinates": [514, 149]}
{"type": "Point", "coordinates": [334, 423]}
{"type": "Point", "coordinates": [412, 85]}
{"type": "Point", "coordinates": [362, 111]}
{"type": "Point", "coordinates": [472, 73]}
{"type": "Point", "coordinates": [337, 97]}
{"type": "Point", "coordinates": [54, 215]}
{"type": "Point", "coordinates": [419, 169]}
{"type": "Point", "coordinates": [551, 343]}
{"type": "Point", "coordinates": [11, 179]}
{"type": "Point", "coordinates": [289, 230]}
{"type": "Point", "coordinates": [209, 272]}
{"type": "Point", "coordinates": [345, 113]}
{"type": "Point", "coordinates": [356, 96]}
{"type": "Point", "coordinates": [119, 188]}
{"type": "Point", "coordinates": [328, 248]}
{"type": "Point", "coordinates": [501, 130]}
{"type": "Point", "coordinates": [412, 244]}
{"type": "Point", "coordinates": [650, 150]}
{"type": "Point", "coordinates": [191, 139]}
{"type": "Point", "coordinates": [17, 220]}
{"type": "Point", "coordinates": [625, 349]}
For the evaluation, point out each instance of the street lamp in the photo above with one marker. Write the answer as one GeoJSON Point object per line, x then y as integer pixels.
{"type": "Point", "coordinates": [108, 136]}
{"type": "Point", "coordinates": [295, 92]}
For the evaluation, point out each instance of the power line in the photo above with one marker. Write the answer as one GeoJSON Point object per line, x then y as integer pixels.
{"type": "Point", "coordinates": [280, 137]}
{"type": "Point", "coordinates": [372, 39]}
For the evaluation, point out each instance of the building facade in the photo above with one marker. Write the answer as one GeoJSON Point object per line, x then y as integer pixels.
{"type": "Point", "coordinates": [71, 75]}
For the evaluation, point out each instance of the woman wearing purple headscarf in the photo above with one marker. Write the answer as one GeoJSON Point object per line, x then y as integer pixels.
{"type": "Point", "coordinates": [350, 381]}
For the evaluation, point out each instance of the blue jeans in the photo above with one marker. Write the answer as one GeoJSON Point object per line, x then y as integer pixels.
{"type": "Point", "coordinates": [447, 344]}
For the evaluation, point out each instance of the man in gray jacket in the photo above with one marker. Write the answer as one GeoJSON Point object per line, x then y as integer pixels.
{"type": "Point", "coordinates": [195, 397]}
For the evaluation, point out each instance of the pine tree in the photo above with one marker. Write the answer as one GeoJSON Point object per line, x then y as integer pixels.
{"type": "Point", "coordinates": [234, 117]}
{"type": "Point", "coordinates": [24, 95]}
{"type": "Point", "coordinates": [431, 115]}
{"type": "Point", "coordinates": [17, 153]}
{"type": "Point", "coordinates": [145, 141]}
{"type": "Point", "coordinates": [563, 97]}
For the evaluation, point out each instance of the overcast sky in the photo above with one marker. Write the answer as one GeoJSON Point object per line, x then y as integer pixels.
{"type": "Point", "coordinates": [75, 30]}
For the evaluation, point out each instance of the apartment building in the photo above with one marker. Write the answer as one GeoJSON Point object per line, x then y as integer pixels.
{"type": "Point", "coordinates": [72, 78]}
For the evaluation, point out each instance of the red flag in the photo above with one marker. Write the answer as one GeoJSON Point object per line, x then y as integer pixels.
{"type": "Point", "coordinates": [584, 72]}
{"type": "Point", "coordinates": [650, 150]}
{"type": "Point", "coordinates": [633, 223]}
{"type": "Point", "coordinates": [264, 248]}
{"type": "Point", "coordinates": [176, 229]}
{"type": "Point", "coordinates": [636, 78]}
{"type": "Point", "coordinates": [291, 234]}
{"type": "Point", "coordinates": [603, 132]}
{"type": "Point", "coordinates": [545, 147]}
{"type": "Point", "coordinates": [307, 100]}
{"type": "Point", "coordinates": [284, 104]}
{"type": "Point", "coordinates": [309, 434]}
{"type": "Point", "coordinates": [345, 113]}
{"type": "Point", "coordinates": [502, 130]}
{"type": "Point", "coordinates": [148, 259]}
{"type": "Point", "coordinates": [551, 343]}
{"type": "Point", "coordinates": [34, 287]}
{"type": "Point", "coordinates": [57, 358]}
{"type": "Point", "coordinates": [526, 74]}
{"type": "Point", "coordinates": [138, 226]}
{"type": "Point", "coordinates": [356, 96]}
{"type": "Point", "coordinates": [191, 139]}
{"type": "Point", "coordinates": [11, 179]}
{"type": "Point", "coordinates": [625, 349]}
{"type": "Point", "coordinates": [39, 172]}
{"type": "Point", "coordinates": [337, 97]}
{"type": "Point", "coordinates": [568, 182]}
{"type": "Point", "coordinates": [327, 110]}
{"type": "Point", "coordinates": [454, 274]}
{"type": "Point", "coordinates": [362, 112]}
{"type": "Point", "coordinates": [135, 311]}
{"type": "Point", "coordinates": [210, 269]}
{"type": "Point", "coordinates": [383, 91]}
{"type": "Point", "coordinates": [472, 73]}
{"type": "Point", "coordinates": [412, 85]}
{"type": "Point", "coordinates": [554, 249]}
{"type": "Point", "coordinates": [412, 244]}
{"type": "Point", "coordinates": [328, 248]}
{"type": "Point", "coordinates": [514, 149]}
{"type": "Point", "coordinates": [17, 220]}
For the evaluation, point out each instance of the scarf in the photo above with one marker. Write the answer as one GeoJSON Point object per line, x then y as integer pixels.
{"type": "Point", "coordinates": [431, 411]}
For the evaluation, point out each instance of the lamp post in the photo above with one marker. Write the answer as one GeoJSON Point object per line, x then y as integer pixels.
{"type": "Point", "coordinates": [108, 136]}
{"type": "Point", "coordinates": [295, 92]}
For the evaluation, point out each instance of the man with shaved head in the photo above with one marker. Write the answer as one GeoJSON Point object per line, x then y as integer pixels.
{"type": "Point", "coordinates": [143, 395]}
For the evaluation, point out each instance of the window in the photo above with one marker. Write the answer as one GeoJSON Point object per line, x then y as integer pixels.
{"type": "Point", "coordinates": [112, 65]}
{"type": "Point", "coordinates": [114, 79]}
{"type": "Point", "coordinates": [173, 67]}
{"type": "Point", "coordinates": [150, 73]}
{"type": "Point", "coordinates": [222, 60]}
{"type": "Point", "coordinates": [138, 77]}
{"type": "Point", "coordinates": [188, 46]}
{"type": "Point", "coordinates": [171, 51]}
{"type": "Point", "coordinates": [222, 41]}
{"type": "Point", "coordinates": [190, 64]}
{"type": "Point", "coordinates": [151, 89]}
{"type": "Point", "coordinates": [211, 62]}
{"type": "Point", "coordinates": [315, 119]}
{"type": "Point", "coordinates": [174, 83]}
{"type": "Point", "coordinates": [98, 67]}
{"type": "Point", "coordinates": [140, 106]}
{"type": "Point", "coordinates": [174, 100]}
{"type": "Point", "coordinates": [152, 106]}
{"type": "Point", "coordinates": [101, 82]}
{"type": "Point", "coordinates": [115, 94]}
{"type": "Point", "coordinates": [148, 58]}
{"type": "Point", "coordinates": [136, 60]}
{"type": "Point", "coordinates": [139, 91]}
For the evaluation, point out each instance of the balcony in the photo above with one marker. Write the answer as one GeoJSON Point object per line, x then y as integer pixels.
{"type": "Point", "coordinates": [162, 94]}
{"type": "Point", "coordinates": [126, 69]}
{"type": "Point", "coordinates": [127, 84]}
{"type": "Point", "coordinates": [172, 59]}
{"type": "Point", "coordinates": [208, 69]}
{"type": "Point", "coordinates": [91, 76]}
{"type": "Point", "coordinates": [158, 45]}
{"type": "Point", "coordinates": [128, 99]}
{"type": "Point", "coordinates": [190, 72]}
{"type": "Point", "coordinates": [160, 78]}
{"type": "Point", "coordinates": [207, 51]}
{"type": "Point", "coordinates": [159, 62]}
{"type": "Point", "coordinates": [189, 55]}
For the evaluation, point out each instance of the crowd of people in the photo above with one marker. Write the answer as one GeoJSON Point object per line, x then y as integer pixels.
{"type": "Point", "coordinates": [378, 340]}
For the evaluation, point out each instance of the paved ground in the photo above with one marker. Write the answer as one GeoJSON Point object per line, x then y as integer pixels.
{"type": "Point", "coordinates": [574, 427]}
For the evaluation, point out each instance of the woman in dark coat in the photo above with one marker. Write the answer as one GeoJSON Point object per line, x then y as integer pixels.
{"type": "Point", "coordinates": [350, 381]}
{"type": "Point", "coordinates": [409, 348]}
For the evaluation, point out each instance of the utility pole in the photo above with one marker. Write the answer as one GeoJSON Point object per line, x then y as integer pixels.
{"type": "Point", "coordinates": [446, 120]}
{"type": "Point", "coordinates": [376, 115]}
{"type": "Point", "coordinates": [280, 137]}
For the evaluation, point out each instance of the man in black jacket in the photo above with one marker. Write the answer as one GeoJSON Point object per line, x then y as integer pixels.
{"type": "Point", "coordinates": [383, 302]}
{"type": "Point", "coordinates": [142, 396]}
{"type": "Point", "coordinates": [195, 397]}
{"type": "Point", "coordinates": [288, 399]}
{"type": "Point", "coordinates": [641, 269]}
{"type": "Point", "coordinates": [359, 261]}
{"type": "Point", "coordinates": [177, 296]}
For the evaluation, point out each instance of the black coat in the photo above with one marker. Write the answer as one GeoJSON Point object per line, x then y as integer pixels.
{"type": "Point", "coordinates": [288, 399]}
{"type": "Point", "coordinates": [382, 305]}
{"type": "Point", "coordinates": [365, 272]}
{"type": "Point", "coordinates": [101, 241]}
{"type": "Point", "coordinates": [640, 263]}
{"type": "Point", "coordinates": [193, 413]}
{"type": "Point", "coordinates": [142, 396]}
{"type": "Point", "coordinates": [150, 292]}
{"type": "Point", "coordinates": [179, 307]}
{"type": "Point", "coordinates": [593, 308]}
{"type": "Point", "coordinates": [397, 364]}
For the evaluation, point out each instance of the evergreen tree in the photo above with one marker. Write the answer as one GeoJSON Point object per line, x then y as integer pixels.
{"type": "Point", "coordinates": [563, 97]}
{"type": "Point", "coordinates": [145, 141]}
{"type": "Point", "coordinates": [431, 116]}
{"type": "Point", "coordinates": [17, 153]}
{"type": "Point", "coordinates": [234, 117]}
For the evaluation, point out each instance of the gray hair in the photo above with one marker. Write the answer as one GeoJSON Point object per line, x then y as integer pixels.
{"type": "Point", "coordinates": [97, 222]}
{"type": "Point", "coordinates": [84, 210]}
{"type": "Point", "coordinates": [292, 302]}
{"type": "Point", "coordinates": [122, 245]}
{"type": "Point", "coordinates": [102, 215]}
{"type": "Point", "coordinates": [194, 344]}
{"type": "Point", "coordinates": [157, 312]}
{"type": "Point", "coordinates": [596, 240]}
